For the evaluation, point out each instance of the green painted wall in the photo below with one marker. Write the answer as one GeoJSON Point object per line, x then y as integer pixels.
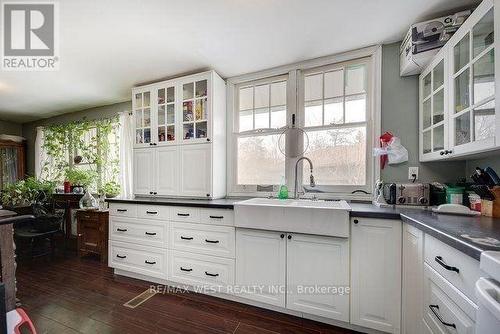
{"type": "Point", "coordinates": [29, 129]}
{"type": "Point", "coordinates": [400, 116]}
{"type": "Point", "coordinates": [10, 128]}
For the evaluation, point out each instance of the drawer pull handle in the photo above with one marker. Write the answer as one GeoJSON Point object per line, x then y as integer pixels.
{"type": "Point", "coordinates": [436, 307]}
{"type": "Point", "coordinates": [184, 269]}
{"type": "Point", "coordinates": [120, 256]}
{"type": "Point", "coordinates": [439, 260]}
{"type": "Point", "coordinates": [183, 214]}
{"type": "Point", "coordinates": [217, 217]}
{"type": "Point", "coordinates": [150, 233]}
{"type": "Point", "coordinates": [186, 238]}
{"type": "Point", "coordinates": [150, 262]}
{"type": "Point", "coordinates": [121, 229]}
{"type": "Point", "coordinates": [212, 241]}
{"type": "Point", "coordinates": [212, 275]}
{"type": "Point", "coordinates": [152, 212]}
{"type": "Point", "coordinates": [121, 210]}
{"type": "Point", "coordinates": [86, 217]}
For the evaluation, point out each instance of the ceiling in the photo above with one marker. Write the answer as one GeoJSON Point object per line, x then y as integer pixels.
{"type": "Point", "coordinates": [107, 47]}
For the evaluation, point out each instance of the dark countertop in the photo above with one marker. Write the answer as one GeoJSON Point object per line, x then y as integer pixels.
{"type": "Point", "coordinates": [225, 203]}
{"type": "Point", "coordinates": [447, 228]}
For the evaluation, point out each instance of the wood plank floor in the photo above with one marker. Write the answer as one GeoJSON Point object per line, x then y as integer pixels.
{"type": "Point", "coordinates": [83, 296]}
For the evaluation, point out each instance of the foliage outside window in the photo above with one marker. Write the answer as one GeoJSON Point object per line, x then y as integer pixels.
{"type": "Point", "coordinates": [86, 145]}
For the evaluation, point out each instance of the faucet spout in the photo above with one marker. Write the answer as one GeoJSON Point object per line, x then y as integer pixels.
{"type": "Point", "coordinates": [312, 182]}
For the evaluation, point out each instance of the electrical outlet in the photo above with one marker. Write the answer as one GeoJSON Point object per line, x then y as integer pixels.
{"type": "Point", "coordinates": [413, 173]}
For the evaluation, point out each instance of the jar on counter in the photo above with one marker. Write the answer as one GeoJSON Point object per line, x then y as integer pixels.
{"type": "Point", "coordinates": [475, 202]}
{"type": "Point", "coordinates": [455, 195]}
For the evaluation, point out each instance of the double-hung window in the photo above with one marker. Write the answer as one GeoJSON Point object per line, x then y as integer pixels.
{"type": "Point", "coordinates": [333, 100]}
{"type": "Point", "coordinates": [261, 117]}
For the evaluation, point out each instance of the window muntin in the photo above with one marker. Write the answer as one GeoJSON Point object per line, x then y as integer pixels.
{"type": "Point", "coordinates": [262, 105]}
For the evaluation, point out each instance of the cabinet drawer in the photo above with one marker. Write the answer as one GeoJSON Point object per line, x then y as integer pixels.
{"type": "Point", "coordinates": [446, 310]}
{"type": "Point", "coordinates": [87, 217]}
{"type": "Point", "coordinates": [447, 261]}
{"type": "Point", "coordinates": [139, 231]}
{"type": "Point", "coordinates": [157, 212]}
{"type": "Point", "coordinates": [193, 269]}
{"type": "Point", "coordinates": [217, 217]}
{"type": "Point", "coordinates": [204, 239]}
{"type": "Point", "coordinates": [185, 214]}
{"type": "Point", "coordinates": [123, 210]}
{"type": "Point", "coordinates": [149, 261]}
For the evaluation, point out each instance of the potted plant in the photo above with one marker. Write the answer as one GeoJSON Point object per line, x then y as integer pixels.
{"type": "Point", "coordinates": [25, 193]}
{"type": "Point", "coordinates": [110, 189]}
{"type": "Point", "coordinates": [80, 179]}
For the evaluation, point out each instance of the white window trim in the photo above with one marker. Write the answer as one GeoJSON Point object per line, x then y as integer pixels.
{"type": "Point", "coordinates": [374, 53]}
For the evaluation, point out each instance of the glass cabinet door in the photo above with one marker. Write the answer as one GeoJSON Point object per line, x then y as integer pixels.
{"type": "Point", "coordinates": [142, 118]}
{"type": "Point", "coordinates": [433, 109]}
{"type": "Point", "coordinates": [473, 116]}
{"type": "Point", "coordinates": [194, 110]}
{"type": "Point", "coordinates": [166, 114]}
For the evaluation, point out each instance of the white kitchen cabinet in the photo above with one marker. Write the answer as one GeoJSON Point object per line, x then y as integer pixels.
{"type": "Point", "coordinates": [433, 109]}
{"type": "Point", "coordinates": [413, 264]}
{"type": "Point", "coordinates": [184, 121]}
{"type": "Point", "coordinates": [166, 170]}
{"type": "Point", "coordinates": [261, 263]}
{"type": "Point", "coordinates": [195, 170]}
{"type": "Point", "coordinates": [142, 106]}
{"type": "Point", "coordinates": [376, 273]}
{"type": "Point", "coordinates": [471, 122]}
{"type": "Point", "coordinates": [317, 261]}
{"type": "Point", "coordinates": [144, 169]}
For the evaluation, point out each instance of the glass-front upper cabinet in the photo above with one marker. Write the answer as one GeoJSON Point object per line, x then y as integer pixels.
{"type": "Point", "coordinates": [433, 106]}
{"type": "Point", "coordinates": [142, 113]}
{"type": "Point", "coordinates": [165, 114]}
{"type": "Point", "coordinates": [195, 110]}
{"type": "Point", "coordinates": [472, 97]}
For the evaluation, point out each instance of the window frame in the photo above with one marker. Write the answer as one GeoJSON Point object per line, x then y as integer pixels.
{"type": "Point", "coordinates": [295, 105]}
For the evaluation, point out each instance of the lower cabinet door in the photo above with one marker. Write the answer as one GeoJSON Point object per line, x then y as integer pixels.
{"type": "Point", "coordinates": [167, 171]}
{"type": "Point", "coordinates": [261, 265]}
{"type": "Point", "coordinates": [144, 162]}
{"type": "Point", "coordinates": [413, 277]}
{"type": "Point", "coordinates": [318, 275]}
{"type": "Point", "coordinates": [376, 273]}
{"type": "Point", "coordinates": [196, 170]}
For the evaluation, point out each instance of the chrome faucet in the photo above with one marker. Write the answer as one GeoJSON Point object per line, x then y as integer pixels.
{"type": "Point", "coordinates": [311, 177]}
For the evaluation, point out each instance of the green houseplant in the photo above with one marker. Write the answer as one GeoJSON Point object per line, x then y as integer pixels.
{"type": "Point", "coordinates": [27, 192]}
{"type": "Point", "coordinates": [80, 177]}
{"type": "Point", "coordinates": [110, 189]}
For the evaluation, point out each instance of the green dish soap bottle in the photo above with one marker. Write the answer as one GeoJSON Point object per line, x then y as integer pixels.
{"type": "Point", "coordinates": [283, 191]}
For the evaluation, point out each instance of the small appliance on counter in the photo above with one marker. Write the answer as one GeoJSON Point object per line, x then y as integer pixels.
{"type": "Point", "coordinates": [413, 194]}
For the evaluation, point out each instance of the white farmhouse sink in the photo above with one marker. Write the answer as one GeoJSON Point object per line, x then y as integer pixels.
{"type": "Point", "coordinates": [329, 218]}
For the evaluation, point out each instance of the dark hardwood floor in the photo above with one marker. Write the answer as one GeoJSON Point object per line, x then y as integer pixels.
{"type": "Point", "coordinates": [82, 296]}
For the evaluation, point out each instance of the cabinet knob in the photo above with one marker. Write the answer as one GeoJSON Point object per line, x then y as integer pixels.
{"type": "Point", "coordinates": [441, 153]}
{"type": "Point", "coordinates": [356, 221]}
{"type": "Point", "coordinates": [208, 139]}
{"type": "Point", "coordinates": [282, 236]}
{"type": "Point", "coordinates": [151, 193]}
{"type": "Point", "coordinates": [208, 195]}
{"type": "Point", "coordinates": [289, 237]}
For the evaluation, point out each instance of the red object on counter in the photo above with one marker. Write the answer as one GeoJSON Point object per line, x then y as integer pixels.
{"type": "Point", "coordinates": [67, 187]}
{"type": "Point", "coordinates": [385, 139]}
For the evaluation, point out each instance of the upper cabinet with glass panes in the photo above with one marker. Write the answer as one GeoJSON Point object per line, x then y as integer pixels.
{"type": "Point", "coordinates": [179, 110]}
{"type": "Point", "coordinates": [470, 114]}
{"type": "Point", "coordinates": [142, 108]}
